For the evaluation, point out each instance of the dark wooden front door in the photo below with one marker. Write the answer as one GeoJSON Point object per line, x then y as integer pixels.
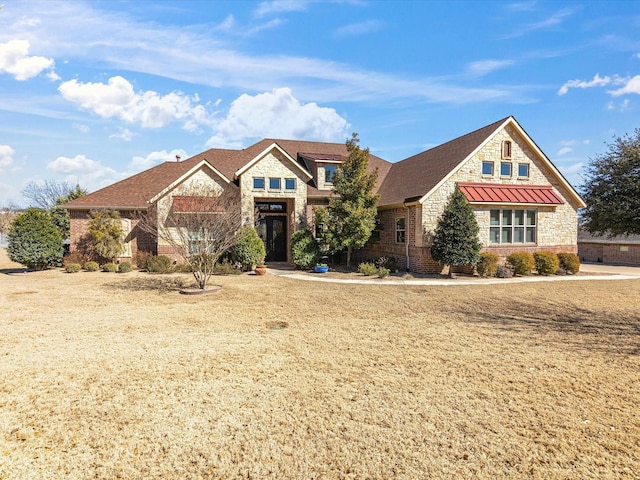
{"type": "Point", "coordinates": [272, 230]}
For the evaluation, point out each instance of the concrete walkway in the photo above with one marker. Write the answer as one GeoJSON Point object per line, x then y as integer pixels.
{"type": "Point", "coordinates": [594, 271]}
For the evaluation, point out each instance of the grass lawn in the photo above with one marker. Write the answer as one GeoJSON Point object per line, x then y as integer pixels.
{"type": "Point", "coordinates": [118, 376]}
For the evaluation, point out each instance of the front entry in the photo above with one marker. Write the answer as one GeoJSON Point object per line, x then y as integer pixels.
{"type": "Point", "coordinates": [272, 229]}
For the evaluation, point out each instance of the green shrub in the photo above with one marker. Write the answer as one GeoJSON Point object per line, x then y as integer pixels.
{"type": "Point", "coordinates": [387, 262]}
{"type": "Point", "coordinates": [109, 267]}
{"type": "Point", "coordinates": [158, 264]}
{"type": "Point", "coordinates": [488, 264]}
{"type": "Point", "coordinates": [547, 263]}
{"type": "Point", "coordinates": [72, 267]}
{"type": "Point", "coordinates": [125, 267]}
{"type": "Point", "coordinates": [521, 262]}
{"type": "Point", "coordinates": [367, 268]}
{"type": "Point", "coordinates": [35, 241]}
{"type": "Point", "coordinates": [226, 268]}
{"type": "Point", "coordinates": [569, 262]}
{"type": "Point", "coordinates": [91, 266]}
{"type": "Point", "coordinates": [383, 272]}
{"type": "Point", "coordinates": [248, 248]}
{"type": "Point", "coordinates": [304, 249]}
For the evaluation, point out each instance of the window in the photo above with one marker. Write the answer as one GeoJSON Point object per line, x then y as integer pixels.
{"type": "Point", "coordinates": [512, 226]}
{"type": "Point", "coordinates": [523, 170]}
{"type": "Point", "coordinates": [487, 168]}
{"type": "Point", "coordinates": [400, 230]}
{"type": "Point", "coordinates": [290, 183]}
{"type": "Point", "coordinates": [258, 183]}
{"type": "Point", "coordinates": [329, 172]}
{"type": "Point", "coordinates": [506, 149]}
{"type": "Point", "coordinates": [505, 169]}
{"type": "Point", "coordinates": [274, 183]}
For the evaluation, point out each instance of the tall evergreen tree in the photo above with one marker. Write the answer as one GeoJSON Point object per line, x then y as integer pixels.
{"type": "Point", "coordinates": [352, 210]}
{"type": "Point", "coordinates": [455, 241]}
{"type": "Point", "coordinates": [34, 240]}
{"type": "Point", "coordinates": [105, 228]}
{"type": "Point", "coordinates": [612, 189]}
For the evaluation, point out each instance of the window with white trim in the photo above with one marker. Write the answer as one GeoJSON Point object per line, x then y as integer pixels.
{"type": "Point", "coordinates": [258, 183]}
{"type": "Point", "coordinates": [512, 226]}
{"type": "Point", "coordinates": [523, 170]}
{"type": "Point", "coordinates": [400, 230]}
{"type": "Point", "coordinates": [274, 183]}
{"type": "Point", "coordinates": [487, 168]}
{"type": "Point", "coordinates": [505, 169]}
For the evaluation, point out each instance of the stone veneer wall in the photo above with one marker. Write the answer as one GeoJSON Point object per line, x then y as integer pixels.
{"type": "Point", "coordinates": [557, 226]}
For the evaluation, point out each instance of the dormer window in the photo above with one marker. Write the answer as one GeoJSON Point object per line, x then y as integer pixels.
{"type": "Point", "coordinates": [506, 149]}
{"type": "Point", "coordinates": [329, 172]}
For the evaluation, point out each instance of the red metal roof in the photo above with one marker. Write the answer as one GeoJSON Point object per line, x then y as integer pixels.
{"type": "Point", "coordinates": [501, 193]}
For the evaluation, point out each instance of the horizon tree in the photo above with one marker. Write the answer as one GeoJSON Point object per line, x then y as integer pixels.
{"type": "Point", "coordinates": [612, 189]}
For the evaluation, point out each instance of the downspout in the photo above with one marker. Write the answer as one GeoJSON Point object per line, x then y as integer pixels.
{"type": "Point", "coordinates": [406, 242]}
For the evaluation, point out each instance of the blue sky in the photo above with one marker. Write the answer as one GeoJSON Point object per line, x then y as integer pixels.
{"type": "Point", "coordinates": [92, 92]}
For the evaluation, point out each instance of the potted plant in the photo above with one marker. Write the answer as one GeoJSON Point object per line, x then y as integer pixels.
{"type": "Point", "coordinates": [260, 268]}
{"type": "Point", "coordinates": [321, 268]}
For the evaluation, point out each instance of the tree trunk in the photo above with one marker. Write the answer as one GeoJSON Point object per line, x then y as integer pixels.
{"type": "Point", "coordinates": [349, 256]}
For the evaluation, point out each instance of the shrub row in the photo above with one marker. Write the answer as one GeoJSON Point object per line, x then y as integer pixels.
{"type": "Point", "coordinates": [523, 263]}
{"type": "Point", "coordinates": [370, 269]}
{"type": "Point", "coordinates": [124, 267]}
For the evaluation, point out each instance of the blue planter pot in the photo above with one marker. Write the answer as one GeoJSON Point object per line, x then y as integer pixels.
{"type": "Point", "coordinates": [318, 269]}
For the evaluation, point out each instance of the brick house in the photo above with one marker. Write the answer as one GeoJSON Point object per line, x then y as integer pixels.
{"type": "Point", "coordinates": [521, 200]}
{"type": "Point", "coordinates": [618, 250]}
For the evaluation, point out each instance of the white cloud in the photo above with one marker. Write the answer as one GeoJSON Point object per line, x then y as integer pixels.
{"type": "Point", "coordinates": [118, 99]}
{"type": "Point", "coordinates": [597, 81]}
{"type": "Point", "coordinates": [123, 134]}
{"type": "Point", "coordinates": [75, 165]}
{"type": "Point", "coordinates": [15, 60]}
{"type": "Point", "coordinates": [564, 151]}
{"type": "Point", "coordinates": [278, 6]}
{"type": "Point", "coordinates": [360, 28]}
{"type": "Point", "coordinates": [632, 85]}
{"type": "Point", "coordinates": [81, 127]}
{"type": "Point", "coordinates": [6, 156]}
{"type": "Point", "coordinates": [139, 164]}
{"type": "Point", "coordinates": [484, 67]}
{"type": "Point", "coordinates": [277, 114]}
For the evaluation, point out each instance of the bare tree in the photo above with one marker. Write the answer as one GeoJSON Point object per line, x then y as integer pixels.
{"type": "Point", "coordinates": [199, 226]}
{"type": "Point", "coordinates": [50, 193]}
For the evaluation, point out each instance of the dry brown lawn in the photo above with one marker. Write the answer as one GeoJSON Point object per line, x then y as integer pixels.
{"type": "Point", "coordinates": [119, 376]}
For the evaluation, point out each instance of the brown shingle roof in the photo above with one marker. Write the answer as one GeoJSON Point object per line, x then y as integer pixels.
{"type": "Point", "coordinates": [415, 176]}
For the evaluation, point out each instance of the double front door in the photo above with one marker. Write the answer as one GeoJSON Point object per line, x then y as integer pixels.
{"type": "Point", "coordinates": [272, 230]}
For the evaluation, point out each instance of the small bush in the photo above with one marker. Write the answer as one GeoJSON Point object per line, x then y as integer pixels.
{"type": "Point", "coordinates": [488, 264]}
{"type": "Point", "coordinates": [569, 262]}
{"type": "Point", "coordinates": [72, 267]}
{"type": "Point", "coordinates": [383, 272]}
{"type": "Point", "coordinates": [504, 271]}
{"type": "Point", "coordinates": [366, 268]}
{"type": "Point", "coordinates": [248, 248]}
{"type": "Point", "coordinates": [158, 264]}
{"type": "Point", "coordinates": [74, 257]}
{"type": "Point", "coordinates": [522, 263]}
{"type": "Point", "coordinates": [304, 249]}
{"type": "Point", "coordinates": [125, 267]}
{"type": "Point", "coordinates": [226, 268]}
{"type": "Point", "coordinates": [547, 263]}
{"type": "Point", "coordinates": [387, 262]}
{"type": "Point", "coordinates": [140, 259]}
{"type": "Point", "coordinates": [109, 267]}
{"type": "Point", "coordinates": [91, 266]}
{"type": "Point", "coordinates": [182, 268]}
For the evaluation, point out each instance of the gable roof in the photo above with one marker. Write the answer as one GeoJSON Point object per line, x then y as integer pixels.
{"type": "Point", "coordinates": [415, 176]}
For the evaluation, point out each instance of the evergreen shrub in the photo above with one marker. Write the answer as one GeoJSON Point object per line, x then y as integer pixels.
{"type": "Point", "coordinates": [304, 249]}
{"type": "Point", "coordinates": [569, 262]}
{"type": "Point", "coordinates": [158, 264]}
{"type": "Point", "coordinates": [367, 268]}
{"type": "Point", "coordinates": [125, 267]}
{"type": "Point", "coordinates": [110, 267]}
{"type": "Point", "coordinates": [248, 248]}
{"type": "Point", "coordinates": [91, 266]}
{"type": "Point", "coordinates": [72, 267]}
{"type": "Point", "coordinates": [488, 264]}
{"type": "Point", "coordinates": [547, 263]}
{"type": "Point", "coordinates": [521, 262]}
